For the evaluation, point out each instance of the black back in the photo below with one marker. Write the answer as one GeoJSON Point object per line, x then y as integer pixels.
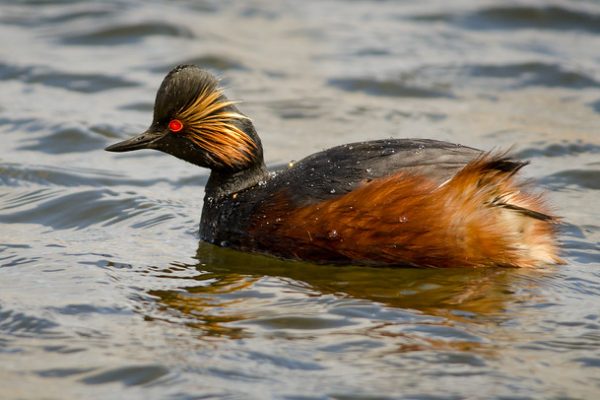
{"type": "Point", "coordinates": [339, 170]}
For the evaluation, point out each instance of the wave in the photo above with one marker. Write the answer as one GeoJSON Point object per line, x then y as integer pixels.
{"type": "Point", "coordinates": [518, 17]}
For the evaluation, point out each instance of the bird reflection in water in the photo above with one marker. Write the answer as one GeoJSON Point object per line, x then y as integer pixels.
{"type": "Point", "coordinates": [238, 294]}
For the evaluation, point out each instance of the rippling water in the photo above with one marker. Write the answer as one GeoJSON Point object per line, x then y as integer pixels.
{"type": "Point", "coordinates": [105, 291]}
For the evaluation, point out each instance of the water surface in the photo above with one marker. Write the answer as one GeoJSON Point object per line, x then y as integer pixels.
{"type": "Point", "coordinates": [106, 291]}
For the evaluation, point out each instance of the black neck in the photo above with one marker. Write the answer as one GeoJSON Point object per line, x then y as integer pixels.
{"type": "Point", "coordinates": [222, 183]}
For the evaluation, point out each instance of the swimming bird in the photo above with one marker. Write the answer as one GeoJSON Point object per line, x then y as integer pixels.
{"type": "Point", "coordinates": [391, 202]}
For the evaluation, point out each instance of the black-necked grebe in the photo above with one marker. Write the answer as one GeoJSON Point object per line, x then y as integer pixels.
{"type": "Point", "coordinates": [410, 202]}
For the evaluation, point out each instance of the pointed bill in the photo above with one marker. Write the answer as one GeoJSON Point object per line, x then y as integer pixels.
{"type": "Point", "coordinates": [142, 141]}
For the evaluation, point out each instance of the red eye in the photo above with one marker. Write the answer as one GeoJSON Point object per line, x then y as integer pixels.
{"type": "Point", "coordinates": [175, 125]}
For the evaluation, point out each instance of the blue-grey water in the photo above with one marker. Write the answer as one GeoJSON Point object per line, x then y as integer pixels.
{"type": "Point", "coordinates": [106, 291]}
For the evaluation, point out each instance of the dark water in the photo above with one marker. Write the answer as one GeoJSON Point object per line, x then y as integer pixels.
{"type": "Point", "coordinates": [105, 291]}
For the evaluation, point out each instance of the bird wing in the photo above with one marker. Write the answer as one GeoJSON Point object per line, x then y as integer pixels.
{"type": "Point", "coordinates": [339, 170]}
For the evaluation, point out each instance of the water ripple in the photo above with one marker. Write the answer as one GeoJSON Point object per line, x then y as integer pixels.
{"type": "Point", "coordinates": [294, 109]}
{"type": "Point", "coordinates": [19, 324]}
{"type": "Point", "coordinates": [565, 148]}
{"type": "Point", "coordinates": [527, 17]}
{"type": "Point", "coordinates": [282, 361]}
{"type": "Point", "coordinates": [127, 34]}
{"type": "Point", "coordinates": [65, 139]}
{"type": "Point", "coordinates": [77, 82]}
{"type": "Point", "coordinates": [520, 17]}
{"type": "Point", "coordinates": [532, 74]}
{"type": "Point", "coordinates": [584, 179]}
{"type": "Point", "coordinates": [390, 87]}
{"type": "Point", "coordinates": [62, 372]}
{"type": "Point", "coordinates": [13, 174]}
{"type": "Point", "coordinates": [128, 376]}
{"type": "Point", "coordinates": [56, 15]}
{"type": "Point", "coordinates": [88, 207]}
{"type": "Point", "coordinates": [88, 310]}
{"type": "Point", "coordinates": [447, 81]}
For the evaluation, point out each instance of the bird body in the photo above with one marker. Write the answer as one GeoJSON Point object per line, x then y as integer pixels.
{"type": "Point", "coordinates": [397, 202]}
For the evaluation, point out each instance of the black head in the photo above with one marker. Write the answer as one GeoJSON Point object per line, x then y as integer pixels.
{"type": "Point", "coordinates": [194, 121]}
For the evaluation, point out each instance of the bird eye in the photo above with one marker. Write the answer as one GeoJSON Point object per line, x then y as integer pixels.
{"type": "Point", "coordinates": [175, 125]}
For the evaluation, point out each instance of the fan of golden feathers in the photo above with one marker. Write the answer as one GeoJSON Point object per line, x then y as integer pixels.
{"type": "Point", "coordinates": [211, 124]}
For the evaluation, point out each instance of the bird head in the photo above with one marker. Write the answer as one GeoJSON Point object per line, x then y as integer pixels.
{"type": "Point", "coordinates": [194, 121]}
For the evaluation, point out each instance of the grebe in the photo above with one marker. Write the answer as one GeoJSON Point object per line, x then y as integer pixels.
{"type": "Point", "coordinates": [396, 202]}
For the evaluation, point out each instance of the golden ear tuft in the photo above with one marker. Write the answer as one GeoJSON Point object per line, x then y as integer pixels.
{"type": "Point", "coordinates": [212, 126]}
